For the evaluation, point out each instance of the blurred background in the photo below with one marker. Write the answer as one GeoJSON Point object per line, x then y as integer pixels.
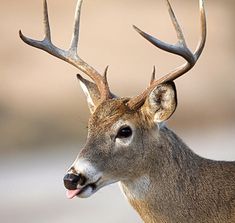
{"type": "Point", "coordinates": [43, 112]}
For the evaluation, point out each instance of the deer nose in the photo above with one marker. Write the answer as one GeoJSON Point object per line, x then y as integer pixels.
{"type": "Point", "coordinates": [71, 181]}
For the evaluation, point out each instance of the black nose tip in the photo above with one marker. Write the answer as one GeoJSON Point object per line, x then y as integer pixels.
{"type": "Point", "coordinates": [71, 181]}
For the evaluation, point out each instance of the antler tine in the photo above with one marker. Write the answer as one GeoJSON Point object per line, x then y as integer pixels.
{"type": "Point", "coordinates": [202, 41]}
{"type": "Point", "coordinates": [180, 35]}
{"type": "Point", "coordinates": [74, 41]}
{"type": "Point", "coordinates": [70, 55]}
{"type": "Point", "coordinates": [180, 48]}
{"type": "Point", "coordinates": [153, 76]}
{"type": "Point", "coordinates": [47, 29]}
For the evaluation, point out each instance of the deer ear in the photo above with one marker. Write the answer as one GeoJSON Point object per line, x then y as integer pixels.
{"type": "Point", "coordinates": [161, 102]}
{"type": "Point", "coordinates": [91, 91]}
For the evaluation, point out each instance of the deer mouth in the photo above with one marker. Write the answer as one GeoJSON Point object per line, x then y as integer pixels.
{"type": "Point", "coordinates": [83, 192]}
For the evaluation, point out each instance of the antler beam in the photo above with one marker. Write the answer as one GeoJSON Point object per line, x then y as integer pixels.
{"type": "Point", "coordinates": [180, 48]}
{"type": "Point", "coordinates": [70, 55]}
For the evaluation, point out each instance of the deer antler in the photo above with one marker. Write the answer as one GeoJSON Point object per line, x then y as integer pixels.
{"type": "Point", "coordinates": [70, 55]}
{"type": "Point", "coordinates": [180, 48]}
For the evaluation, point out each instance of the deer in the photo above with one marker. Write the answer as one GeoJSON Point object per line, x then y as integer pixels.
{"type": "Point", "coordinates": [129, 142]}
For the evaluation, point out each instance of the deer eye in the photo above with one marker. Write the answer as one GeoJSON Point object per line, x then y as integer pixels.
{"type": "Point", "coordinates": [124, 132]}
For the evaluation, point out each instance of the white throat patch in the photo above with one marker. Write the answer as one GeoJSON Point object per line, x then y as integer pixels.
{"type": "Point", "coordinates": [136, 189]}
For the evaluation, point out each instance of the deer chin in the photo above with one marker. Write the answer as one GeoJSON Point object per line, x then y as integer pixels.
{"type": "Point", "coordinates": [89, 189]}
{"type": "Point", "coordinates": [84, 192]}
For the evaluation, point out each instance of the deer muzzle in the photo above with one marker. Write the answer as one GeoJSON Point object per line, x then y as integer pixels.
{"type": "Point", "coordinates": [82, 180]}
{"type": "Point", "coordinates": [71, 181]}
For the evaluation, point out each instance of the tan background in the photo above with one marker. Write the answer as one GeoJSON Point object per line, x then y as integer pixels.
{"type": "Point", "coordinates": [43, 112]}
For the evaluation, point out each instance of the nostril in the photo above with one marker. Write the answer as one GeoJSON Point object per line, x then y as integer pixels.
{"type": "Point", "coordinates": [82, 180]}
{"type": "Point", "coordinates": [71, 181]}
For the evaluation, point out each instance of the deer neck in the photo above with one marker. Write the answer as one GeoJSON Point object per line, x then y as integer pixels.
{"type": "Point", "coordinates": [153, 191]}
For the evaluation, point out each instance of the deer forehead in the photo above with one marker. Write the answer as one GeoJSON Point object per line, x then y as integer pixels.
{"type": "Point", "coordinates": [112, 113]}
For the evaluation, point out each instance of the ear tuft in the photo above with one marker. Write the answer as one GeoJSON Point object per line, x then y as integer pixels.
{"type": "Point", "coordinates": [161, 102]}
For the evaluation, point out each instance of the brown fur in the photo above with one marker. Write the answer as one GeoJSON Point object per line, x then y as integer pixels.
{"type": "Point", "coordinates": [162, 178]}
{"type": "Point", "coordinates": [184, 187]}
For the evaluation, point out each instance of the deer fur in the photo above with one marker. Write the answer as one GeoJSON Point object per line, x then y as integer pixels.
{"type": "Point", "coordinates": [128, 141]}
{"type": "Point", "coordinates": [161, 177]}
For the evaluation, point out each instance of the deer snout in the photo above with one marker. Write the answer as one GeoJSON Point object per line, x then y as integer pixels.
{"type": "Point", "coordinates": [72, 181]}
{"type": "Point", "coordinates": [82, 179]}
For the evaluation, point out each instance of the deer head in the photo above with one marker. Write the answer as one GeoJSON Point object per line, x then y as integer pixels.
{"type": "Point", "coordinates": [119, 128]}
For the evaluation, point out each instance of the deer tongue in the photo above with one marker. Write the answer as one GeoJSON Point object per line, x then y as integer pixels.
{"type": "Point", "coordinates": [72, 193]}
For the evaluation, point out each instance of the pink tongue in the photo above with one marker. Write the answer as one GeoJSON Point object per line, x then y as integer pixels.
{"type": "Point", "coordinates": [72, 193]}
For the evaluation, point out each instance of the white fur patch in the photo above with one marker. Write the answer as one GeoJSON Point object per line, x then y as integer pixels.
{"type": "Point", "coordinates": [123, 141]}
{"type": "Point", "coordinates": [87, 169]}
{"type": "Point", "coordinates": [161, 124]}
{"type": "Point", "coordinates": [136, 189]}
{"type": "Point", "coordinates": [86, 92]}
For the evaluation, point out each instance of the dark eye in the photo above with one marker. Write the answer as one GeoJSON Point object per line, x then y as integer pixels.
{"type": "Point", "coordinates": [124, 132]}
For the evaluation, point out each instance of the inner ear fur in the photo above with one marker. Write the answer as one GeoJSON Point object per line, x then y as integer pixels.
{"type": "Point", "coordinates": [91, 91]}
{"type": "Point", "coordinates": [161, 102]}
